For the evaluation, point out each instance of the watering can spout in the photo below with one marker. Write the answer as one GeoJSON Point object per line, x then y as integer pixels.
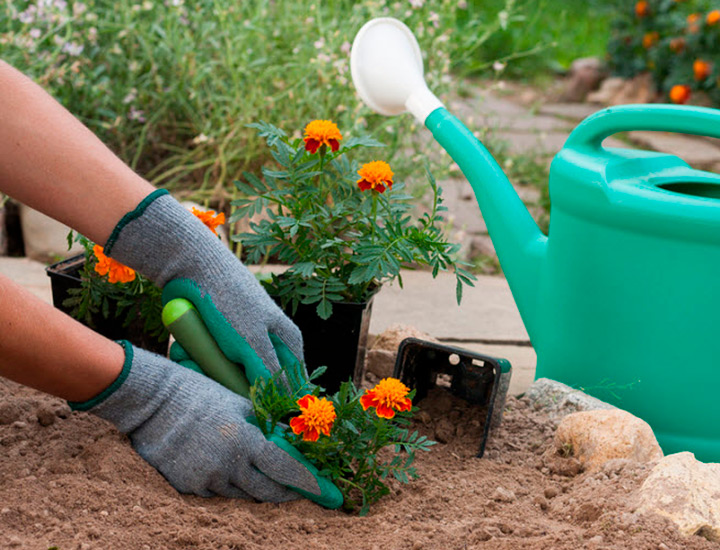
{"type": "Point", "coordinates": [387, 70]}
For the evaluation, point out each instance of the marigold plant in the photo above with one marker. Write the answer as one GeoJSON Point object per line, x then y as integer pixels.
{"type": "Point", "coordinates": [211, 220]}
{"type": "Point", "coordinates": [677, 42]}
{"type": "Point", "coordinates": [343, 228]}
{"type": "Point", "coordinates": [109, 289]}
{"type": "Point", "coordinates": [115, 271]}
{"type": "Point", "coordinates": [356, 438]}
{"type": "Point", "coordinates": [387, 398]}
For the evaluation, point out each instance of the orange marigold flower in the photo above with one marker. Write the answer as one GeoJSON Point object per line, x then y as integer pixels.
{"type": "Point", "coordinates": [116, 272]}
{"type": "Point", "coordinates": [316, 417]}
{"type": "Point", "coordinates": [209, 218]}
{"type": "Point", "coordinates": [388, 396]}
{"type": "Point", "coordinates": [642, 8]}
{"type": "Point", "coordinates": [322, 132]}
{"type": "Point", "coordinates": [701, 69]}
{"type": "Point", "coordinates": [713, 18]}
{"type": "Point", "coordinates": [650, 39]}
{"type": "Point", "coordinates": [680, 93]}
{"type": "Point", "coordinates": [375, 175]}
{"type": "Point", "coordinates": [693, 21]}
{"type": "Point", "coordinates": [677, 45]}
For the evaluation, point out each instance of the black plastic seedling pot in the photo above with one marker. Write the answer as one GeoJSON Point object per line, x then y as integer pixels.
{"type": "Point", "coordinates": [338, 343]}
{"type": "Point", "coordinates": [478, 379]}
{"type": "Point", "coordinates": [64, 275]}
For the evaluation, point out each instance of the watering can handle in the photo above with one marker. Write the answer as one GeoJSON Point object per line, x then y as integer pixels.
{"type": "Point", "coordinates": [700, 121]}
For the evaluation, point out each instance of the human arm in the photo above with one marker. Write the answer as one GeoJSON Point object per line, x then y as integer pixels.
{"type": "Point", "coordinates": [56, 165]}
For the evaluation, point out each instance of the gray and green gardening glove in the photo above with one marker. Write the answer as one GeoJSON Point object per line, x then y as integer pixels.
{"type": "Point", "coordinates": [175, 250]}
{"type": "Point", "coordinates": [196, 433]}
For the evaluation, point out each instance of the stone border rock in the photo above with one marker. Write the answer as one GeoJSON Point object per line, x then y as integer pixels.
{"type": "Point", "coordinates": [561, 400]}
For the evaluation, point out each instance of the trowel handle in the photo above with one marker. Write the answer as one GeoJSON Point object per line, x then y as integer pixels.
{"type": "Point", "coordinates": [183, 321]}
{"type": "Point", "coordinates": [699, 121]}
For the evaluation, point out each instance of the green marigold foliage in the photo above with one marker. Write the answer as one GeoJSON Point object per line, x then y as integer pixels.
{"type": "Point", "coordinates": [677, 41]}
{"type": "Point", "coordinates": [341, 243]}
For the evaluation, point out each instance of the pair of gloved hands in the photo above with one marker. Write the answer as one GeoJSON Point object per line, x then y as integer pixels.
{"type": "Point", "coordinates": [190, 428]}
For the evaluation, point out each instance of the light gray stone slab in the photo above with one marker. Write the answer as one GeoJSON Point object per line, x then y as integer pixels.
{"type": "Point", "coordinates": [572, 111]}
{"type": "Point", "coordinates": [487, 312]}
{"type": "Point", "coordinates": [526, 123]}
{"type": "Point", "coordinates": [28, 273]}
{"type": "Point", "coordinates": [698, 152]}
{"type": "Point", "coordinates": [45, 238]}
{"type": "Point", "coordinates": [543, 143]}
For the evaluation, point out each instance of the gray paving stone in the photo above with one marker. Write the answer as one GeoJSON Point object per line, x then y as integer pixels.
{"type": "Point", "coordinates": [463, 210]}
{"type": "Point", "coordinates": [544, 143]}
{"type": "Point", "coordinates": [487, 312]}
{"type": "Point", "coordinates": [527, 123]}
{"type": "Point", "coordinates": [572, 111]}
{"type": "Point", "coordinates": [698, 152]}
{"type": "Point", "coordinates": [28, 273]}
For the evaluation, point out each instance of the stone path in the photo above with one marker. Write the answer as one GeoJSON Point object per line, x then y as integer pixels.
{"type": "Point", "coordinates": [487, 321]}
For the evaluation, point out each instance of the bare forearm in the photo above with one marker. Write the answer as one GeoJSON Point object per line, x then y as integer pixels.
{"type": "Point", "coordinates": [53, 163]}
{"type": "Point", "coordinates": [43, 348]}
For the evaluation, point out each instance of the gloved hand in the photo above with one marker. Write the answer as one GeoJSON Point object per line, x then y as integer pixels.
{"type": "Point", "coordinates": [175, 250]}
{"type": "Point", "coordinates": [196, 433]}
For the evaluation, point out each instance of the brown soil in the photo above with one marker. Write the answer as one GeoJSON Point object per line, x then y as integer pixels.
{"type": "Point", "coordinates": [69, 480]}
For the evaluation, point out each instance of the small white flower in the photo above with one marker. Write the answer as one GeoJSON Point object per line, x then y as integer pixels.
{"type": "Point", "coordinates": [26, 17]}
{"type": "Point", "coordinates": [79, 8]}
{"type": "Point", "coordinates": [499, 66]}
{"type": "Point", "coordinates": [201, 138]}
{"type": "Point", "coordinates": [340, 66]}
{"type": "Point", "coordinates": [35, 33]}
{"type": "Point", "coordinates": [136, 114]}
{"type": "Point", "coordinates": [462, 5]}
{"type": "Point", "coordinates": [130, 97]}
{"type": "Point", "coordinates": [417, 3]}
{"type": "Point", "coordinates": [323, 58]}
{"type": "Point", "coordinates": [345, 48]}
{"type": "Point", "coordinates": [319, 44]}
{"type": "Point", "coordinates": [434, 18]}
{"type": "Point", "coordinates": [72, 48]}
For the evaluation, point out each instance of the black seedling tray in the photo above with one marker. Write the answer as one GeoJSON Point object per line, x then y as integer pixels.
{"type": "Point", "coordinates": [478, 379]}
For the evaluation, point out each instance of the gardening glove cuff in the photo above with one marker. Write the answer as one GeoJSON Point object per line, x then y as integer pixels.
{"type": "Point", "coordinates": [196, 433]}
{"type": "Point", "coordinates": [174, 249]}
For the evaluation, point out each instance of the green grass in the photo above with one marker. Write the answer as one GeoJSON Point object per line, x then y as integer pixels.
{"type": "Point", "coordinates": [172, 85]}
{"type": "Point", "coordinates": [535, 37]}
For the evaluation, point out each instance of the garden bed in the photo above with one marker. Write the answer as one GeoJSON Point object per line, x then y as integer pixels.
{"type": "Point", "coordinates": [71, 481]}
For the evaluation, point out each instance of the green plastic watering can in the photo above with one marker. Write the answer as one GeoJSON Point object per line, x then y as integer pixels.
{"type": "Point", "coordinates": [622, 299]}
